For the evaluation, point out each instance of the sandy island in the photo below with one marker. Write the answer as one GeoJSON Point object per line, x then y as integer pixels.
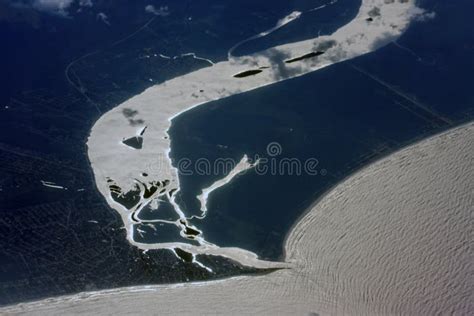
{"type": "Point", "coordinates": [395, 238]}
{"type": "Point", "coordinates": [129, 146]}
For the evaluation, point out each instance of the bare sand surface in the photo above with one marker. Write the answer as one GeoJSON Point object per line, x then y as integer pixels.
{"type": "Point", "coordinates": [395, 238]}
{"type": "Point", "coordinates": [132, 155]}
{"type": "Point", "coordinates": [243, 165]}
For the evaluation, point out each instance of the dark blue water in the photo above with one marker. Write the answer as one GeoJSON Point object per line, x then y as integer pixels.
{"type": "Point", "coordinates": [50, 244]}
{"type": "Point", "coordinates": [345, 116]}
{"type": "Point", "coordinates": [311, 23]}
{"type": "Point", "coordinates": [56, 242]}
{"type": "Point", "coordinates": [38, 46]}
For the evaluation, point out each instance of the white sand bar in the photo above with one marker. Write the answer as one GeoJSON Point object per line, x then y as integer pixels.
{"type": "Point", "coordinates": [395, 238]}
{"type": "Point", "coordinates": [377, 23]}
{"type": "Point", "coordinates": [243, 165]}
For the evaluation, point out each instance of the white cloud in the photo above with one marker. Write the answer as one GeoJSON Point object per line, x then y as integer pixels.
{"type": "Point", "coordinates": [427, 16]}
{"type": "Point", "coordinates": [52, 6]}
{"type": "Point", "coordinates": [421, 14]}
{"type": "Point", "coordinates": [103, 17]}
{"type": "Point", "coordinates": [57, 7]}
{"type": "Point", "coordinates": [161, 11]}
{"type": "Point", "coordinates": [85, 3]}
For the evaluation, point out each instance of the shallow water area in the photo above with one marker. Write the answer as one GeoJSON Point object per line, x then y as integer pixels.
{"type": "Point", "coordinates": [344, 116]}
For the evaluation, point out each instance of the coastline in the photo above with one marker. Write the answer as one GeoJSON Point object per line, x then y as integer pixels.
{"type": "Point", "coordinates": [158, 105]}
{"type": "Point", "coordinates": [397, 204]}
{"type": "Point", "coordinates": [331, 187]}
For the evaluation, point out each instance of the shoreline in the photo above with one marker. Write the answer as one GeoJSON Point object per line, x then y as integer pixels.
{"type": "Point", "coordinates": [446, 161]}
{"type": "Point", "coordinates": [412, 142]}
{"type": "Point", "coordinates": [115, 165]}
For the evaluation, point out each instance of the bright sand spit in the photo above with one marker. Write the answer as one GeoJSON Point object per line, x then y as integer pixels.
{"type": "Point", "coordinates": [394, 238]}
{"type": "Point", "coordinates": [120, 168]}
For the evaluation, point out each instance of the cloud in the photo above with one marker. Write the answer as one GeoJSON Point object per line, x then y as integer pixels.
{"type": "Point", "coordinates": [421, 15]}
{"type": "Point", "coordinates": [161, 11]}
{"type": "Point", "coordinates": [85, 3]}
{"type": "Point", "coordinates": [56, 7]}
{"type": "Point", "coordinates": [103, 17]}
{"type": "Point", "coordinates": [426, 16]}
{"type": "Point", "coordinates": [277, 58]}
